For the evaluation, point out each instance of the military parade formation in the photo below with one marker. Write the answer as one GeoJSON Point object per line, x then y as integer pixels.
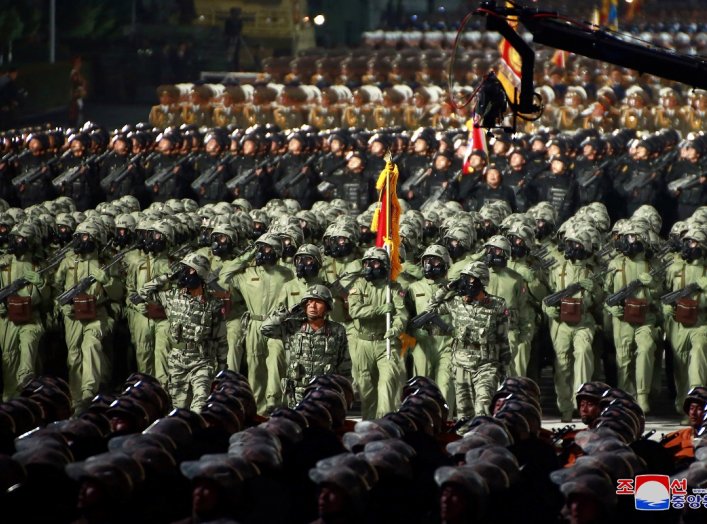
{"type": "Point", "coordinates": [195, 310]}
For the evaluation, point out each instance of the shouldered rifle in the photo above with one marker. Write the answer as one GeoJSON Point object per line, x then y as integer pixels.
{"type": "Point", "coordinates": [629, 289]}
{"type": "Point", "coordinates": [179, 252]}
{"type": "Point", "coordinates": [415, 180]}
{"type": "Point", "coordinates": [559, 434]}
{"type": "Point", "coordinates": [20, 283]}
{"type": "Point", "coordinates": [71, 174]}
{"type": "Point", "coordinates": [109, 183]}
{"type": "Point", "coordinates": [33, 174]}
{"type": "Point", "coordinates": [82, 285]}
{"type": "Point", "coordinates": [642, 178]}
{"type": "Point", "coordinates": [684, 183]}
{"type": "Point", "coordinates": [533, 173]}
{"type": "Point", "coordinates": [328, 172]}
{"type": "Point", "coordinates": [672, 297]}
{"type": "Point", "coordinates": [542, 264]}
{"type": "Point", "coordinates": [554, 299]}
{"type": "Point", "coordinates": [247, 176]}
{"type": "Point", "coordinates": [608, 248]}
{"type": "Point", "coordinates": [593, 173]}
{"type": "Point", "coordinates": [338, 288]}
{"type": "Point", "coordinates": [283, 186]}
{"type": "Point", "coordinates": [208, 176]}
{"type": "Point", "coordinates": [539, 252]}
{"type": "Point", "coordinates": [438, 193]}
{"type": "Point", "coordinates": [165, 173]}
{"type": "Point", "coordinates": [429, 317]}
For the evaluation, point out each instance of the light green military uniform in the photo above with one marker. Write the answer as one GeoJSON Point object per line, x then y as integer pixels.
{"type": "Point", "coordinates": [197, 336]}
{"type": "Point", "coordinates": [481, 353]}
{"type": "Point", "coordinates": [689, 343]}
{"type": "Point", "coordinates": [635, 344]}
{"type": "Point", "coordinates": [86, 359]}
{"type": "Point", "coordinates": [379, 378]}
{"type": "Point", "coordinates": [260, 287]}
{"type": "Point", "coordinates": [20, 342]}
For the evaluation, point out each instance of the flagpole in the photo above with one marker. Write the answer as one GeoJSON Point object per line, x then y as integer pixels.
{"type": "Point", "coordinates": [388, 319]}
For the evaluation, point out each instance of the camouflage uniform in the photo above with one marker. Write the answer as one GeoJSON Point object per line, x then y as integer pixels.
{"type": "Point", "coordinates": [480, 350]}
{"type": "Point", "coordinates": [312, 353]}
{"type": "Point", "coordinates": [197, 335]}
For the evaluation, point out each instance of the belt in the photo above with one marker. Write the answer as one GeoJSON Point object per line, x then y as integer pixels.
{"type": "Point", "coordinates": [186, 346]}
{"type": "Point", "coordinates": [370, 337]}
{"type": "Point", "coordinates": [258, 317]}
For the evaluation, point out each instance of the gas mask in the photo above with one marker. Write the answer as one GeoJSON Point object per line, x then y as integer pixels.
{"type": "Point", "coordinates": [372, 274]}
{"type": "Point", "coordinates": [157, 245]}
{"type": "Point", "coordinates": [265, 259]}
{"type": "Point", "coordinates": [204, 237]}
{"type": "Point", "coordinates": [493, 258]}
{"type": "Point", "coordinates": [543, 229]}
{"type": "Point", "coordinates": [367, 236]}
{"type": "Point", "coordinates": [518, 247]}
{"type": "Point", "coordinates": [675, 243]}
{"type": "Point", "coordinates": [575, 251]}
{"type": "Point", "coordinates": [288, 249]}
{"type": "Point", "coordinates": [433, 270]}
{"type": "Point", "coordinates": [487, 230]}
{"type": "Point", "coordinates": [5, 236]}
{"type": "Point", "coordinates": [630, 245]}
{"type": "Point", "coordinates": [258, 229]}
{"type": "Point", "coordinates": [429, 232]}
{"type": "Point", "coordinates": [84, 247]}
{"type": "Point", "coordinates": [122, 241]}
{"type": "Point", "coordinates": [690, 253]}
{"type": "Point", "coordinates": [18, 246]}
{"type": "Point", "coordinates": [304, 270]}
{"type": "Point", "coordinates": [187, 279]}
{"type": "Point", "coordinates": [341, 250]}
{"type": "Point", "coordinates": [456, 249]}
{"type": "Point", "coordinates": [469, 287]}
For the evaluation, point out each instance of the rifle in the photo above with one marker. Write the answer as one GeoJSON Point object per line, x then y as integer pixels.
{"type": "Point", "coordinates": [542, 264]}
{"type": "Point", "coordinates": [684, 183]}
{"type": "Point", "coordinates": [608, 248]}
{"type": "Point", "coordinates": [245, 178]}
{"type": "Point", "coordinates": [29, 177]}
{"type": "Point", "coordinates": [337, 288]}
{"type": "Point", "coordinates": [629, 289]}
{"type": "Point", "coordinates": [672, 297]}
{"type": "Point", "coordinates": [429, 317]}
{"type": "Point", "coordinates": [555, 298]}
{"type": "Point", "coordinates": [109, 183]}
{"type": "Point", "coordinates": [20, 283]}
{"type": "Point", "coordinates": [435, 196]}
{"type": "Point", "coordinates": [166, 172]}
{"type": "Point", "coordinates": [68, 176]}
{"type": "Point", "coordinates": [283, 186]}
{"type": "Point", "coordinates": [68, 296]}
{"type": "Point", "coordinates": [210, 174]}
{"type": "Point", "coordinates": [588, 178]}
{"type": "Point", "coordinates": [415, 180]}
{"type": "Point", "coordinates": [559, 433]}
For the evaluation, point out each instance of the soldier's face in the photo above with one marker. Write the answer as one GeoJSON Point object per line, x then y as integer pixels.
{"type": "Point", "coordinates": [249, 147]}
{"type": "Point", "coordinates": [315, 309]}
{"type": "Point", "coordinates": [120, 147]}
{"type": "Point", "coordinates": [164, 146]}
{"type": "Point", "coordinates": [294, 146]}
{"type": "Point", "coordinates": [35, 146]}
{"type": "Point", "coordinates": [355, 164]}
{"type": "Point", "coordinates": [557, 167]}
{"type": "Point", "coordinates": [376, 148]}
{"type": "Point", "coordinates": [420, 146]}
{"type": "Point", "coordinates": [332, 500]}
{"type": "Point", "coordinates": [588, 410]}
{"type": "Point", "coordinates": [694, 414]}
{"type": "Point", "coordinates": [517, 161]}
{"type": "Point", "coordinates": [212, 147]}
{"type": "Point", "coordinates": [336, 145]}
{"type": "Point", "coordinates": [583, 508]}
{"type": "Point", "coordinates": [442, 163]}
{"type": "Point", "coordinates": [77, 148]}
{"type": "Point", "coordinates": [493, 177]}
{"type": "Point", "coordinates": [453, 503]}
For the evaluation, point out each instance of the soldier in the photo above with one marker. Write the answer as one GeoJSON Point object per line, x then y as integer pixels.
{"type": "Point", "coordinates": [352, 184]}
{"type": "Point", "coordinates": [260, 286]}
{"type": "Point", "coordinates": [640, 185]}
{"type": "Point", "coordinates": [147, 321]}
{"type": "Point", "coordinates": [558, 187]}
{"type": "Point", "coordinates": [494, 188]}
{"type": "Point", "coordinates": [216, 162]}
{"type": "Point", "coordinates": [634, 321]}
{"type": "Point", "coordinates": [40, 161]}
{"type": "Point", "coordinates": [230, 112]}
{"type": "Point", "coordinates": [377, 373]}
{"type": "Point", "coordinates": [86, 321]}
{"type": "Point", "coordinates": [681, 443]}
{"type": "Point", "coordinates": [589, 172]}
{"type": "Point", "coordinates": [432, 355]}
{"type": "Point", "coordinates": [440, 185]}
{"type": "Point", "coordinates": [360, 113]}
{"type": "Point", "coordinates": [689, 181]}
{"type": "Point", "coordinates": [317, 345]}
{"type": "Point", "coordinates": [248, 168]}
{"type": "Point", "coordinates": [480, 350]}
{"type": "Point", "coordinates": [167, 112]}
{"type": "Point", "coordinates": [686, 319]}
{"type": "Point", "coordinates": [196, 332]}
{"type": "Point", "coordinates": [83, 189]}
{"type": "Point", "coordinates": [178, 170]}
{"type": "Point", "coordinates": [295, 176]}
{"type": "Point", "coordinates": [308, 263]}
{"type": "Point", "coordinates": [199, 112]}
{"type": "Point", "coordinates": [289, 113]}
{"type": "Point", "coordinates": [572, 326]}
{"type": "Point", "coordinates": [20, 322]}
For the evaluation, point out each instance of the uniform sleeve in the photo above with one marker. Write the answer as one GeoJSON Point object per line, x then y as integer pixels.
{"type": "Point", "coordinates": [275, 326]}
{"type": "Point", "coordinates": [151, 291]}
{"type": "Point", "coordinates": [59, 279]}
{"type": "Point", "coordinates": [401, 316]}
{"type": "Point", "coordinates": [114, 288]}
{"type": "Point", "coordinates": [359, 305]}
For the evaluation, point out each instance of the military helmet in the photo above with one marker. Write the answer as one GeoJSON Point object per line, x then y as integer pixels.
{"type": "Point", "coordinates": [271, 240]}
{"type": "Point", "coordinates": [130, 202]}
{"type": "Point", "coordinates": [698, 235]}
{"type": "Point", "coordinates": [592, 390]}
{"type": "Point", "coordinates": [226, 229]}
{"type": "Point", "coordinates": [64, 219]}
{"type": "Point", "coordinates": [524, 232]}
{"type": "Point", "coordinates": [91, 227]}
{"type": "Point", "coordinates": [501, 242]}
{"type": "Point", "coordinates": [309, 250]}
{"type": "Point", "coordinates": [26, 230]}
{"type": "Point", "coordinates": [125, 221]}
{"type": "Point", "coordinates": [697, 394]}
{"type": "Point", "coordinates": [436, 250]}
{"type": "Point", "coordinates": [679, 228]}
{"type": "Point", "coordinates": [477, 270]}
{"type": "Point", "coordinates": [583, 236]}
{"type": "Point", "coordinates": [165, 228]}
{"type": "Point", "coordinates": [319, 292]}
{"type": "Point", "coordinates": [199, 263]}
{"type": "Point", "coordinates": [651, 215]}
{"type": "Point", "coordinates": [377, 253]}
{"type": "Point", "coordinates": [243, 204]}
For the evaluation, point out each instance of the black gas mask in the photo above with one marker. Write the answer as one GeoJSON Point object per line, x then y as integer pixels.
{"type": "Point", "coordinates": [265, 257]}
{"type": "Point", "coordinates": [374, 270]}
{"type": "Point", "coordinates": [433, 267]}
{"type": "Point", "coordinates": [205, 237]}
{"type": "Point", "coordinates": [675, 243]}
{"type": "Point", "coordinates": [288, 248]}
{"type": "Point", "coordinates": [518, 247]}
{"type": "Point", "coordinates": [306, 267]}
{"type": "Point", "coordinates": [630, 245]}
{"type": "Point", "coordinates": [495, 257]}
{"type": "Point", "coordinates": [487, 229]}
{"type": "Point", "coordinates": [367, 236]}
{"type": "Point", "coordinates": [575, 251]}
{"type": "Point", "coordinates": [18, 246]}
{"type": "Point", "coordinates": [4, 235]}
{"type": "Point", "coordinates": [157, 244]}
{"type": "Point", "coordinates": [341, 248]}
{"type": "Point", "coordinates": [221, 246]}
{"type": "Point", "coordinates": [691, 250]}
{"type": "Point", "coordinates": [429, 232]}
{"type": "Point", "coordinates": [469, 286]}
{"type": "Point", "coordinates": [188, 279]}
{"type": "Point", "coordinates": [455, 247]}
{"type": "Point", "coordinates": [258, 230]}
{"type": "Point", "coordinates": [543, 229]}
{"type": "Point", "coordinates": [83, 246]}
{"type": "Point", "coordinates": [123, 238]}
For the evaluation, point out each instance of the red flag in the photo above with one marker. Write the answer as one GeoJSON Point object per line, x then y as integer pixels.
{"type": "Point", "coordinates": [475, 142]}
{"type": "Point", "coordinates": [386, 218]}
